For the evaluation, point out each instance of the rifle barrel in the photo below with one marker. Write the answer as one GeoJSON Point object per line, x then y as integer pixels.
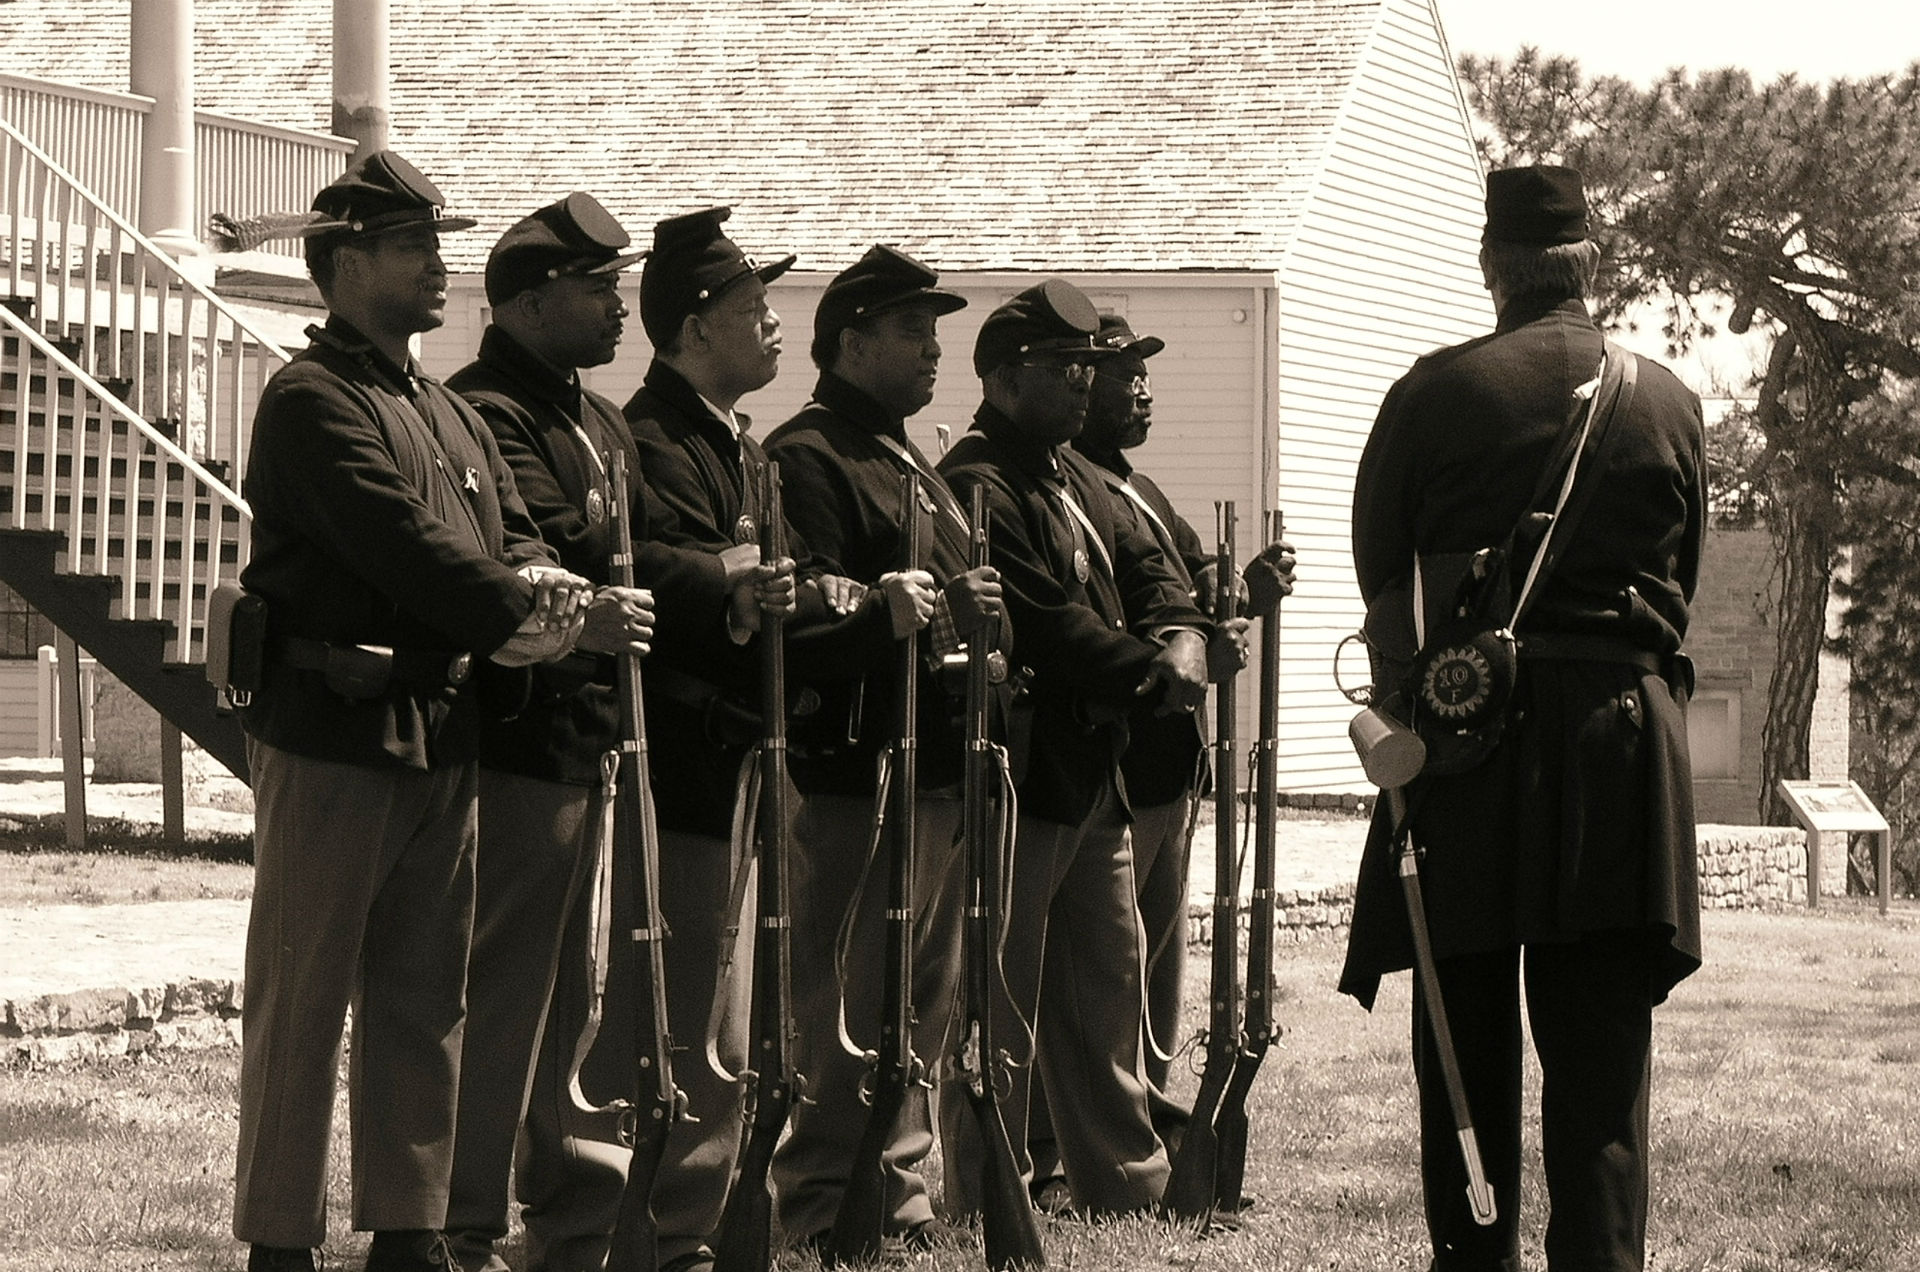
{"type": "Point", "coordinates": [743, 1242]}
{"type": "Point", "coordinates": [859, 1226]}
{"type": "Point", "coordinates": [1009, 1235]}
{"type": "Point", "coordinates": [657, 1101]}
{"type": "Point", "coordinates": [1257, 1029]}
{"type": "Point", "coordinates": [1192, 1183]}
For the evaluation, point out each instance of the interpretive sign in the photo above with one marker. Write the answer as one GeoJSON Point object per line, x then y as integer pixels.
{"type": "Point", "coordinates": [1840, 808]}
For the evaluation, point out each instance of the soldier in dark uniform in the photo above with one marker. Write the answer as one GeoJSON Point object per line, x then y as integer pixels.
{"type": "Point", "coordinates": [392, 551]}
{"type": "Point", "coordinates": [553, 285]}
{"type": "Point", "coordinates": [1165, 765]}
{"type": "Point", "coordinates": [841, 461]}
{"type": "Point", "coordinates": [704, 305]}
{"type": "Point", "coordinates": [1571, 850]}
{"type": "Point", "coordinates": [1100, 622]}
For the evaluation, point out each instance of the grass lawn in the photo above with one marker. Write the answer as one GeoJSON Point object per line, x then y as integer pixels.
{"type": "Point", "coordinates": [1786, 1131]}
{"type": "Point", "coordinates": [125, 863]}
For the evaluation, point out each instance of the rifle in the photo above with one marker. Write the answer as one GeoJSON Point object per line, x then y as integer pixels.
{"type": "Point", "coordinates": [861, 1222]}
{"type": "Point", "coordinates": [657, 1102]}
{"type": "Point", "coordinates": [743, 1242]}
{"type": "Point", "coordinates": [1193, 1183]}
{"type": "Point", "coordinates": [1009, 1234]}
{"type": "Point", "coordinates": [1257, 1030]}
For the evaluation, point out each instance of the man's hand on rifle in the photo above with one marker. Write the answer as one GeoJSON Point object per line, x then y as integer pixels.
{"type": "Point", "coordinates": [1268, 579]}
{"type": "Point", "coordinates": [974, 599]}
{"type": "Point", "coordinates": [1180, 668]}
{"type": "Point", "coordinates": [619, 620]}
{"type": "Point", "coordinates": [764, 589]}
{"type": "Point", "coordinates": [910, 595]}
{"type": "Point", "coordinates": [554, 621]}
{"type": "Point", "coordinates": [1229, 650]}
{"type": "Point", "coordinates": [842, 595]}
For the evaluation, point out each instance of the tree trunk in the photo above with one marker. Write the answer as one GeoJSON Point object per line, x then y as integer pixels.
{"type": "Point", "coordinates": [1804, 552]}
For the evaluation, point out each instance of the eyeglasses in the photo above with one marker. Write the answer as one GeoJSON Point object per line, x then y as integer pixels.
{"type": "Point", "coordinates": [1139, 386]}
{"type": "Point", "coordinates": [1079, 374]}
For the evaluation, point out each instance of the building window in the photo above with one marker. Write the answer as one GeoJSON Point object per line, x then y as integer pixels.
{"type": "Point", "coordinates": [22, 628]}
{"type": "Point", "coordinates": [1713, 734]}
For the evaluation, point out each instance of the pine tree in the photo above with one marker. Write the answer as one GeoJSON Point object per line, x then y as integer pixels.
{"type": "Point", "coordinates": [1799, 206]}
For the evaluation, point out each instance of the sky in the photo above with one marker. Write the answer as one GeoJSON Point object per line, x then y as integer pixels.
{"type": "Point", "coordinates": [1640, 39]}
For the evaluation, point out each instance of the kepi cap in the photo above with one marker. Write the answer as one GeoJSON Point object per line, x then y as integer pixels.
{"type": "Point", "coordinates": [1541, 205]}
{"type": "Point", "coordinates": [573, 236]}
{"type": "Point", "coordinates": [381, 193]}
{"type": "Point", "coordinates": [1116, 336]}
{"type": "Point", "coordinates": [1053, 316]}
{"type": "Point", "coordinates": [690, 263]}
{"type": "Point", "coordinates": [883, 279]}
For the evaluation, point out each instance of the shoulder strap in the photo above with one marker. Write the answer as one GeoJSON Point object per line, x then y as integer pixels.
{"type": "Point", "coordinates": [1620, 373]}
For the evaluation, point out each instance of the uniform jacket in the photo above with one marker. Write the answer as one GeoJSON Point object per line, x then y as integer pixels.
{"type": "Point", "coordinates": [695, 470]}
{"type": "Point", "coordinates": [554, 720]}
{"type": "Point", "coordinates": [1582, 820]}
{"type": "Point", "coordinates": [842, 486]}
{"type": "Point", "coordinates": [1164, 761]}
{"type": "Point", "coordinates": [382, 515]}
{"type": "Point", "coordinates": [1086, 642]}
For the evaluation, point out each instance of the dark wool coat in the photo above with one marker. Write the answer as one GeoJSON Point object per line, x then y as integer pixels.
{"type": "Point", "coordinates": [1582, 819]}
{"type": "Point", "coordinates": [382, 515]}
{"type": "Point", "coordinates": [696, 474]}
{"type": "Point", "coordinates": [842, 487]}
{"type": "Point", "coordinates": [1086, 643]}
{"type": "Point", "coordinates": [1163, 759]}
{"type": "Point", "coordinates": [554, 721]}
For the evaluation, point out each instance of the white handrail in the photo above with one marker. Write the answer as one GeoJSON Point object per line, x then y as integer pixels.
{"type": "Point", "coordinates": [48, 350]}
{"type": "Point", "coordinates": [154, 513]}
{"type": "Point", "coordinates": [146, 244]}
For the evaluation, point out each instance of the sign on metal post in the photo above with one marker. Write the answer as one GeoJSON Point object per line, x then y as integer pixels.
{"type": "Point", "coordinates": [1840, 808]}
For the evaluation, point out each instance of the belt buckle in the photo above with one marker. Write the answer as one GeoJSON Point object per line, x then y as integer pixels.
{"type": "Point", "coordinates": [459, 668]}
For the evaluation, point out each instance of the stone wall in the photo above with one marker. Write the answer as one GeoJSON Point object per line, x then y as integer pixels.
{"type": "Point", "coordinates": [1741, 867]}
{"type": "Point", "coordinates": [1759, 867]}
{"type": "Point", "coordinates": [90, 1023]}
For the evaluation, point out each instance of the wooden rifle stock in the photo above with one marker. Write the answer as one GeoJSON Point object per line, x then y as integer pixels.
{"type": "Point", "coordinates": [860, 1225]}
{"type": "Point", "coordinates": [657, 1102]}
{"type": "Point", "coordinates": [1257, 1029]}
{"type": "Point", "coordinates": [1009, 1233]}
{"type": "Point", "coordinates": [743, 1242]}
{"type": "Point", "coordinates": [1192, 1185]}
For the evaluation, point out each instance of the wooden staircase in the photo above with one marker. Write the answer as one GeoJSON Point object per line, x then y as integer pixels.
{"type": "Point", "coordinates": [126, 394]}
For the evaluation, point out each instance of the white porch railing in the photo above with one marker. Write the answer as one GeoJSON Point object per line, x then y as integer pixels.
{"type": "Point", "coordinates": [122, 310]}
{"type": "Point", "coordinates": [247, 168]}
{"type": "Point", "coordinates": [131, 388]}
{"type": "Point", "coordinates": [243, 167]}
{"type": "Point", "coordinates": [129, 502]}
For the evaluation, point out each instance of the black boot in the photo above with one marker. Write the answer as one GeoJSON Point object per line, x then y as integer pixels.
{"type": "Point", "coordinates": [411, 1250]}
{"type": "Point", "coordinates": [263, 1258]}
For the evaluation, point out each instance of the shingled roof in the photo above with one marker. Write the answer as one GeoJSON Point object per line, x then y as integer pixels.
{"type": "Point", "coordinates": [1103, 135]}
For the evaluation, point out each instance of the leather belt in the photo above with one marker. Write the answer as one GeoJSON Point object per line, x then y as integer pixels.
{"type": "Point", "coordinates": [427, 669]}
{"type": "Point", "coordinates": [1567, 647]}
